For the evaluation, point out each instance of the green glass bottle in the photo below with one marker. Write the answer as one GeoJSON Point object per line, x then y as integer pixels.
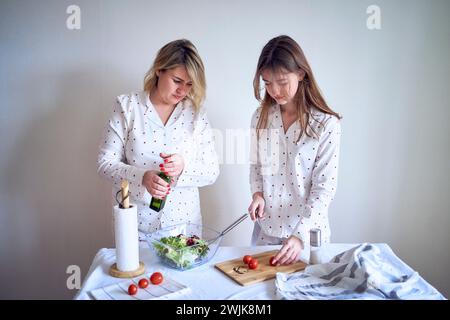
{"type": "Point", "coordinates": [158, 204]}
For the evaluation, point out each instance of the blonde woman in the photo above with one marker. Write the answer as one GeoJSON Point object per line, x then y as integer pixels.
{"type": "Point", "coordinates": [296, 149]}
{"type": "Point", "coordinates": [162, 128]}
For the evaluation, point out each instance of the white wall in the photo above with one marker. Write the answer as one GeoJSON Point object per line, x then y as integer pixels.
{"type": "Point", "coordinates": [57, 87]}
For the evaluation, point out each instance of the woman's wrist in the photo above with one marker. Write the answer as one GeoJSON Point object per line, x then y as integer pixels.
{"type": "Point", "coordinates": [257, 195]}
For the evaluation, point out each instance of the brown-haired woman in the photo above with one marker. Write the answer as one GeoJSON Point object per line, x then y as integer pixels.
{"type": "Point", "coordinates": [163, 128]}
{"type": "Point", "coordinates": [295, 150]}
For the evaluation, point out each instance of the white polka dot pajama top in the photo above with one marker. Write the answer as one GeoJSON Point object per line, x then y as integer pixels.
{"type": "Point", "coordinates": [298, 179]}
{"type": "Point", "coordinates": [132, 141]}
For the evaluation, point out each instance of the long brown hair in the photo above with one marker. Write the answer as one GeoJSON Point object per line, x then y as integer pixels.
{"type": "Point", "coordinates": [284, 54]}
{"type": "Point", "coordinates": [180, 53]}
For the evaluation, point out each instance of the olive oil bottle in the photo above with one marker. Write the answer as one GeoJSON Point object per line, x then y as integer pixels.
{"type": "Point", "coordinates": [158, 204]}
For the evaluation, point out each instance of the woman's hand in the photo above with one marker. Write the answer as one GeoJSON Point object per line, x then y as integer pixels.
{"type": "Point", "coordinates": [289, 252]}
{"type": "Point", "coordinates": [156, 186]}
{"type": "Point", "coordinates": [256, 208]}
{"type": "Point", "coordinates": [173, 164]}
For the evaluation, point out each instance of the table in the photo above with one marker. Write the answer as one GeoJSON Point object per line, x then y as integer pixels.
{"type": "Point", "coordinates": [204, 280]}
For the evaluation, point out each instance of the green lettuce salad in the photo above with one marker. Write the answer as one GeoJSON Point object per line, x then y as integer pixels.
{"type": "Point", "coordinates": [181, 251]}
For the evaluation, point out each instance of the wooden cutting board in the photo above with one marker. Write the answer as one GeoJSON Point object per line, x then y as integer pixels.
{"type": "Point", "coordinates": [264, 271]}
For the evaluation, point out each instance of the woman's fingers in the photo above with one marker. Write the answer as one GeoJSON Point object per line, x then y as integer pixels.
{"type": "Point", "coordinates": [281, 253]}
{"type": "Point", "coordinates": [172, 165]}
{"type": "Point", "coordinates": [168, 158]}
{"type": "Point", "coordinates": [159, 196]}
{"type": "Point", "coordinates": [251, 211]}
{"type": "Point", "coordinates": [260, 211]}
{"type": "Point", "coordinates": [287, 256]}
{"type": "Point", "coordinates": [171, 169]}
{"type": "Point", "coordinates": [256, 210]}
{"type": "Point", "coordinates": [252, 214]}
{"type": "Point", "coordinates": [164, 155]}
{"type": "Point", "coordinates": [159, 191]}
{"type": "Point", "coordinates": [160, 188]}
{"type": "Point", "coordinates": [293, 249]}
{"type": "Point", "coordinates": [293, 259]}
{"type": "Point", "coordinates": [156, 186]}
{"type": "Point", "coordinates": [157, 180]}
{"type": "Point", "coordinates": [171, 172]}
{"type": "Point", "coordinates": [169, 165]}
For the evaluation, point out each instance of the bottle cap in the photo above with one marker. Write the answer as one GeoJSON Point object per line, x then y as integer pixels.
{"type": "Point", "coordinates": [315, 238]}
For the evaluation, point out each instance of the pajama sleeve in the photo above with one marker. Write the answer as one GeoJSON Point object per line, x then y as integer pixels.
{"type": "Point", "coordinates": [256, 179]}
{"type": "Point", "coordinates": [324, 179]}
{"type": "Point", "coordinates": [111, 161]}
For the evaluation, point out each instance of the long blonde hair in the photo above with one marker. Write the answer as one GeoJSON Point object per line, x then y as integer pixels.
{"type": "Point", "coordinates": [180, 53]}
{"type": "Point", "coordinates": [284, 54]}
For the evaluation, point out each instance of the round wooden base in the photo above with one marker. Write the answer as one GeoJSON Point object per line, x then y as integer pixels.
{"type": "Point", "coordinates": [113, 271]}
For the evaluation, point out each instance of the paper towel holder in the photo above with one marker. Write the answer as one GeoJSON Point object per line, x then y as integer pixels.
{"type": "Point", "coordinates": [113, 270]}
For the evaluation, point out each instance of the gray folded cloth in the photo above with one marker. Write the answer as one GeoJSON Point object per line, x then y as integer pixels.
{"type": "Point", "coordinates": [368, 271]}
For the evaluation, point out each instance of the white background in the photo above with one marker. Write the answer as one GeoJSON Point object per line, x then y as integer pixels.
{"type": "Point", "coordinates": [57, 87]}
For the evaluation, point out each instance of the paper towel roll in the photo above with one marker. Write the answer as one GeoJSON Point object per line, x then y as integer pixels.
{"type": "Point", "coordinates": [126, 237]}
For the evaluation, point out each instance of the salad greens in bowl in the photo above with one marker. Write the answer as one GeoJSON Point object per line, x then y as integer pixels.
{"type": "Point", "coordinates": [184, 246]}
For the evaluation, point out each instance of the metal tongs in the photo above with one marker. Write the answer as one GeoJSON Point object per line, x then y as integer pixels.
{"type": "Point", "coordinates": [229, 228]}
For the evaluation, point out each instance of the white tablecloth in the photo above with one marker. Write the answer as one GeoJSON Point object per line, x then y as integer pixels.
{"type": "Point", "coordinates": [205, 282]}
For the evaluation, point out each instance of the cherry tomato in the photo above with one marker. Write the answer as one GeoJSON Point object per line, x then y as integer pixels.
{"type": "Point", "coordinates": [132, 289]}
{"type": "Point", "coordinates": [143, 283]}
{"type": "Point", "coordinates": [271, 262]}
{"type": "Point", "coordinates": [247, 259]}
{"type": "Point", "coordinates": [253, 264]}
{"type": "Point", "coordinates": [156, 278]}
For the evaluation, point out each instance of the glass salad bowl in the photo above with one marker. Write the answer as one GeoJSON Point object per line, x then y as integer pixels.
{"type": "Point", "coordinates": [184, 246]}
